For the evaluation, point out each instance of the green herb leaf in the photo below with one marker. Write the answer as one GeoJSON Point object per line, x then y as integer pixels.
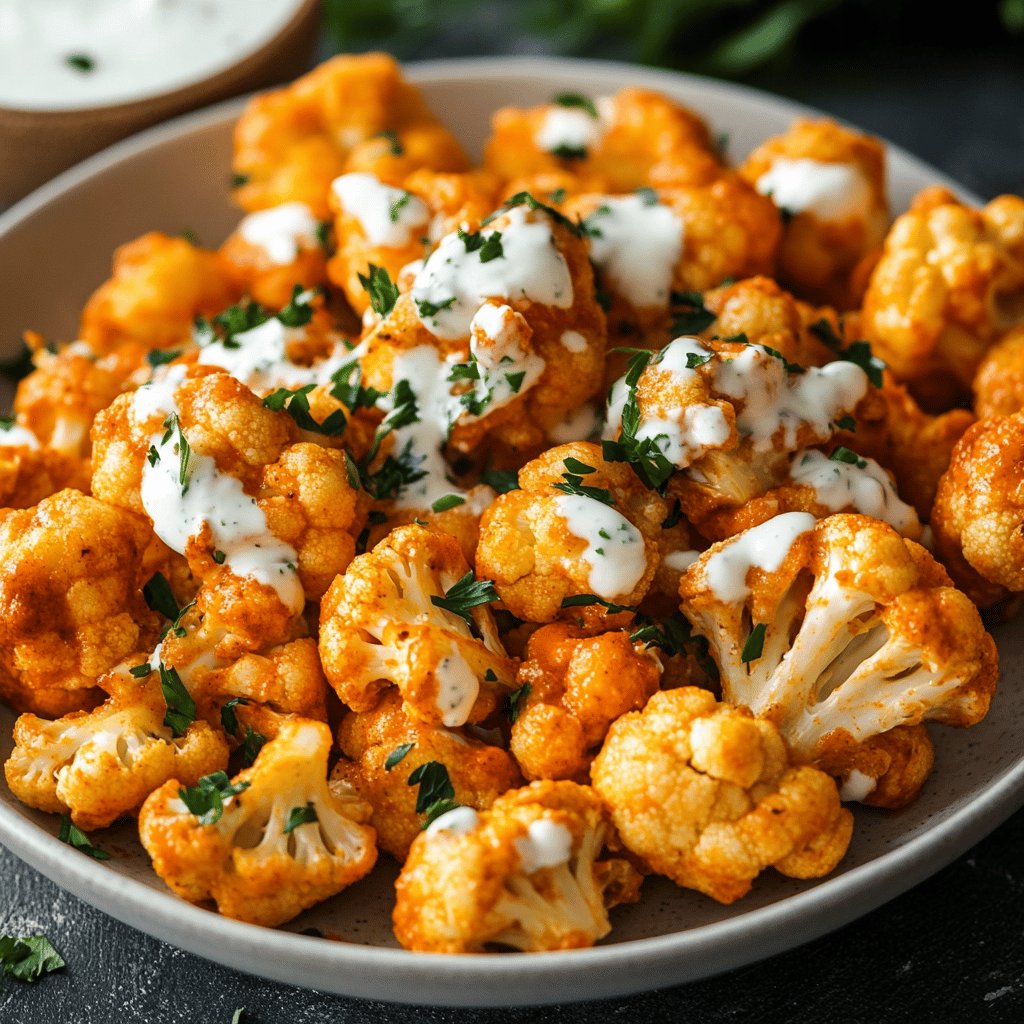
{"type": "Point", "coordinates": [566, 152]}
{"type": "Point", "coordinates": [80, 62]}
{"type": "Point", "coordinates": [397, 755]}
{"type": "Point", "coordinates": [206, 799]}
{"type": "Point", "coordinates": [300, 816]}
{"type": "Point", "coordinates": [428, 309]}
{"type": "Point", "coordinates": [585, 600]}
{"type": "Point", "coordinates": [516, 699]}
{"type": "Point", "coordinates": [228, 718]}
{"type": "Point", "coordinates": [299, 310]}
{"type": "Point", "coordinates": [491, 249]}
{"type": "Point", "coordinates": [74, 836]}
{"type": "Point", "coordinates": [159, 596]}
{"type": "Point", "coordinates": [252, 744]}
{"type": "Point", "coordinates": [141, 671]}
{"type": "Point", "coordinates": [396, 147]}
{"type": "Point", "coordinates": [29, 958]}
{"type": "Point", "coordinates": [472, 240]}
{"type": "Point", "coordinates": [689, 314]}
{"type": "Point", "coordinates": [382, 290]}
{"type": "Point", "coordinates": [575, 99]}
{"type": "Point", "coordinates": [502, 480]}
{"type": "Point", "coordinates": [181, 708]}
{"type": "Point", "coordinates": [296, 404]}
{"type": "Point", "coordinates": [435, 785]}
{"type": "Point", "coordinates": [647, 196]}
{"type": "Point", "coordinates": [525, 199]}
{"type": "Point", "coordinates": [160, 356]}
{"type": "Point", "coordinates": [467, 593]}
{"type": "Point", "coordinates": [238, 180]}
{"type": "Point", "coordinates": [857, 352]}
{"type": "Point", "coordinates": [673, 517]}
{"type": "Point", "coordinates": [396, 207]}
{"type": "Point", "coordinates": [348, 389]}
{"type": "Point", "coordinates": [447, 502]}
{"type": "Point", "coordinates": [436, 809]}
{"type": "Point", "coordinates": [851, 458]}
{"type": "Point", "coordinates": [847, 423]}
{"type": "Point", "coordinates": [789, 367]}
{"type": "Point", "coordinates": [755, 643]}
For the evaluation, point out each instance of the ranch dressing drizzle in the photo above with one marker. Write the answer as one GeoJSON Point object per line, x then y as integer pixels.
{"type": "Point", "coordinates": [573, 341]}
{"type": "Point", "coordinates": [389, 217]}
{"type": "Point", "coordinates": [832, 192]}
{"type": "Point", "coordinates": [579, 425]}
{"type": "Point", "coordinates": [14, 435]}
{"type": "Point", "coordinates": [570, 129]}
{"type": "Point", "coordinates": [637, 244]}
{"type": "Point", "coordinates": [456, 282]}
{"type": "Point", "coordinates": [680, 561]}
{"type": "Point", "coordinates": [615, 549]}
{"type": "Point", "coordinates": [211, 498]}
{"type": "Point", "coordinates": [865, 488]}
{"type": "Point", "coordinates": [460, 821]}
{"type": "Point", "coordinates": [857, 787]}
{"type": "Point", "coordinates": [764, 547]}
{"type": "Point", "coordinates": [281, 232]}
{"type": "Point", "coordinates": [457, 688]}
{"type": "Point", "coordinates": [545, 845]}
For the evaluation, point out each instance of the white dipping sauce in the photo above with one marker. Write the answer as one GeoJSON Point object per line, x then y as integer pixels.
{"type": "Point", "coordinates": [832, 192]}
{"type": "Point", "coordinates": [615, 549]}
{"type": "Point", "coordinates": [857, 787]}
{"type": "Point", "coordinates": [571, 129]}
{"type": "Point", "coordinates": [14, 435]}
{"type": "Point", "coordinates": [680, 561]}
{"type": "Point", "coordinates": [459, 281]}
{"type": "Point", "coordinates": [281, 232]}
{"type": "Point", "coordinates": [763, 547]}
{"type": "Point", "coordinates": [459, 820]}
{"type": "Point", "coordinates": [573, 341]}
{"type": "Point", "coordinates": [579, 425]}
{"type": "Point", "coordinates": [637, 244]}
{"type": "Point", "coordinates": [545, 845]}
{"type": "Point", "coordinates": [457, 688]}
{"type": "Point", "coordinates": [506, 369]}
{"type": "Point", "coordinates": [129, 49]}
{"type": "Point", "coordinates": [389, 217]}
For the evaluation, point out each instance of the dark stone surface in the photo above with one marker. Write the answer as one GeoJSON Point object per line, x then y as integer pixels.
{"type": "Point", "coordinates": [950, 950]}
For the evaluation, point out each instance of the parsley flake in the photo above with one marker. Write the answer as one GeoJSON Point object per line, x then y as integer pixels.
{"type": "Point", "coordinates": [436, 794]}
{"type": "Point", "coordinates": [395, 209]}
{"type": "Point", "coordinates": [29, 958]}
{"type": "Point", "coordinates": [159, 596]}
{"type": "Point", "coordinates": [585, 600]}
{"type": "Point", "coordinates": [296, 404]}
{"type": "Point", "coordinates": [857, 352]}
{"type": "Point", "coordinates": [159, 357]}
{"type": "Point", "coordinates": [525, 199]}
{"type": "Point", "coordinates": [206, 798]}
{"type": "Point", "coordinates": [689, 314]}
{"type": "Point", "coordinates": [515, 701]}
{"type": "Point", "coordinates": [754, 646]}
{"type": "Point", "coordinates": [447, 502]}
{"type": "Point", "coordinates": [181, 708]}
{"type": "Point", "coordinates": [577, 100]}
{"type": "Point", "coordinates": [397, 755]}
{"type": "Point", "coordinates": [395, 146]}
{"type": "Point", "coordinates": [428, 309]}
{"type": "Point", "coordinates": [382, 290]}
{"type": "Point", "coordinates": [501, 480]}
{"type": "Point", "coordinates": [851, 458]}
{"type": "Point", "coordinates": [81, 62]}
{"type": "Point", "coordinates": [300, 816]}
{"type": "Point", "coordinates": [467, 593]}
{"type": "Point", "coordinates": [75, 837]}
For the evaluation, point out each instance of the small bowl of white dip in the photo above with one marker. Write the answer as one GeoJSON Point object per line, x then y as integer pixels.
{"type": "Point", "coordinates": [77, 75]}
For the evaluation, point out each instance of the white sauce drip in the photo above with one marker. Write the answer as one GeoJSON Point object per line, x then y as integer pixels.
{"type": "Point", "coordinates": [857, 787]}
{"type": "Point", "coordinates": [832, 192]}
{"type": "Point", "coordinates": [573, 341]}
{"type": "Point", "coordinates": [545, 845]}
{"type": "Point", "coordinates": [531, 268]}
{"type": "Point", "coordinates": [680, 561]}
{"type": "Point", "coordinates": [637, 244]}
{"type": "Point", "coordinates": [281, 232]}
{"type": "Point", "coordinates": [457, 688]}
{"type": "Point", "coordinates": [764, 547]}
{"type": "Point", "coordinates": [580, 424]}
{"type": "Point", "coordinates": [14, 435]}
{"type": "Point", "coordinates": [237, 524]}
{"type": "Point", "coordinates": [139, 48]}
{"type": "Point", "coordinates": [389, 217]}
{"type": "Point", "coordinates": [615, 549]}
{"type": "Point", "coordinates": [571, 128]}
{"type": "Point", "coordinates": [844, 485]}
{"type": "Point", "coordinates": [459, 820]}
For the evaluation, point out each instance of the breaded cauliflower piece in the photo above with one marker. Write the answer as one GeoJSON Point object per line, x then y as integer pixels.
{"type": "Point", "coordinates": [99, 765]}
{"type": "Point", "coordinates": [829, 184]}
{"type": "Point", "coordinates": [273, 250]}
{"type": "Point", "coordinates": [273, 841]}
{"type": "Point", "coordinates": [705, 793]}
{"type": "Point", "coordinates": [354, 112]}
{"type": "Point", "coordinates": [837, 631]}
{"type": "Point", "coordinates": [159, 285]}
{"type": "Point", "coordinates": [619, 143]}
{"type": "Point", "coordinates": [389, 226]}
{"type": "Point", "coordinates": [948, 285]}
{"type": "Point", "coordinates": [999, 382]}
{"type": "Point", "coordinates": [479, 772]}
{"type": "Point", "coordinates": [577, 526]}
{"type": "Point", "coordinates": [29, 472]}
{"type": "Point", "coordinates": [523, 874]}
{"type": "Point", "coordinates": [409, 614]}
{"type": "Point", "coordinates": [71, 604]}
{"type": "Point", "coordinates": [978, 516]}
{"type": "Point", "coordinates": [578, 685]}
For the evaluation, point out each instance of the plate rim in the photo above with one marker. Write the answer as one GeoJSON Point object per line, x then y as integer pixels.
{"type": "Point", "coordinates": [526, 979]}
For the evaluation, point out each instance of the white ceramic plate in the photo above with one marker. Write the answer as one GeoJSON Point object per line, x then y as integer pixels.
{"type": "Point", "coordinates": [55, 248]}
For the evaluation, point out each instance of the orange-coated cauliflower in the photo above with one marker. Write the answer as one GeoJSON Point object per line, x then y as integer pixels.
{"type": "Point", "coordinates": [160, 284]}
{"type": "Point", "coordinates": [838, 631]}
{"type": "Point", "coordinates": [267, 844]}
{"type": "Point", "coordinates": [978, 516]}
{"type": "Point", "coordinates": [999, 382]}
{"type": "Point", "coordinates": [409, 614]}
{"type": "Point", "coordinates": [354, 112]}
{"type": "Point", "coordinates": [705, 793]}
{"type": "Point", "coordinates": [949, 284]}
{"type": "Point", "coordinates": [99, 765]}
{"type": "Point", "coordinates": [523, 874]}
{"type": "Point", "coordinates": [574, 687]}
{"type": "Point", "coordinates": [372, 741]}
{"type": "Point", "coordinates": [29, 472]}
{"type": "Point", "coordinates": [579, 527]}
{"type": "Point", "coordinates": [71, 604]}
{"type": "Point", "coordinates": [829, 184]}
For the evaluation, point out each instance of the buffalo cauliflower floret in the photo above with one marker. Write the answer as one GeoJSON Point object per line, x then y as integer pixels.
{"type": "Point", "coordinates": [838, 631]}
{"type": "Point", "coordinates": [523, 874]}
{"type": "Point", "coordinates": [574, 687]}
{"type": "Point", "coordinates": [409, 614]}
{"type": "Point", "coordinates": [978, 516]}
{"type": "Point", "coordinates": [71, 605]}
{"type": "Point", "coordinates": [999, 382]}
{"type": "Point", "coordinates": [30, 472]}
{"type": "Point", "coordinates": [705, 794]}
{"type": "Point", "coordinates": [353, 112]}
{"type": "Point", "coordinates": [159, 286]}
{"type": "Point", "coordinates": [98, 765]}
{"type": "Point", "coordinates": [578, 527]}
{"type": "Point", "coordinates": [372, 741]}
{"type": "Point", "coordinates": [949, 283]}
{"type": "Point", "coordinates": [267, 844]}
{"type": "Point", "coordinates": [829, 184]}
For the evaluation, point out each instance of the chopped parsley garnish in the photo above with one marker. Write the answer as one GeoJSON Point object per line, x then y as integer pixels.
{"type": "Point", "coordinates": [447, 502]}
{"type": "Point", "coordinates": [299, 310]}
{"type": "Point", "coordinates": [857, 352]}
{"type": "Point", "coordinates": [436, 794]}
{"type": "Point", "coordinates": [722, 145]}
{"type": "Point", "coordinates": [80, 62]}
{"type": "Point", "coordinates": [689, 314]}
{"type": "Point", "coordinates": [472, 240]}
{"type": "Point", "coordinates": [396, 147]}
{"type": "Point", "coordinates": [324, 235]}
{"type": "Point", "coordinates": [693, 360]}
{"type": "Point", "coordinates": [228, 718]}
{"type": "Point", "coordinates": [300, 816]}
{"type": "Point", "coordinates": [585, 600]}
{"type": "Point", "coordinates": [515, 700]}
{"type": "Point", "coordinates": [404, 411]}
{"type": "Point", "coordinates": [206, 798]}
{"type": "Point", "coordinates": [152, 456]}
{"type": "Point", "coordinates": [572, 482]}
{"type": "Point", "coordinates": [502, 480]}
{"type": "Point", "coordinates": [140, 671]}
{"type": "Point", "coordinates": [575, 99]}
{"type": "Point", "coordinates": [181, 708]}
{"type": "Point", "coordinates": [847, 423]}
{"type": "Point", "coordinates": [238, 180]}
{"type": "Point", "coordinates": [396, 207]}
{"type": "Point", "coordinates": [851, 458]}
{"type": "Point", "coordinates": [491, 249]}
{"type": "Point", "coordinates": [558, 196]}
{"type": "Point", "coordinates": [428, 309]}
{"type": "Point", "coordinates": [397, 755]}
{"type": "Point", "coordinates": [159, 596]}
{"type": "Point", "coordinates": [647, 196]}
{"type": "Point", "coordinates": [28, 958]}
{"type": "Point", "coordinates": [252, 744]}
{"type": "Point", "coordinates": [382, 290]}
{"type": "Point", "coordinates": [754, 646]}
{"type": "Point", "coordinates": [673, 517]}
{"type": "Point", "coordinates": [467, 593]}
{"type": "Point", "coordinates": [348, 388]}
{"type": "Point", "coordinates": [237, 319]}
{"type": "Point", "coordinates": [220, 557]}
{"type": "Point", "coordinates": [158, 356]}
{"type": "Point", "coordinates": [74, 836]}
{"type": "Point", "coordinates": [395, 474]}
{"type": "Point", "coordinates": [296, 404]}
{"type": "Point", "coordinates": [566, 152]}
{"type": "Point", "coordinates": [181, 448]}
{"type": "Point", "coordinates": [789, 367]}
{"type": "Point", "coordinates": [525, 199]}
{"type": "Point", "coordinates": [515, 380]}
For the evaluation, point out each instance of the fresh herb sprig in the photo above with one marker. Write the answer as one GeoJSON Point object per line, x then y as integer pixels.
{"type": "Point", "coordinates": [464, 595]}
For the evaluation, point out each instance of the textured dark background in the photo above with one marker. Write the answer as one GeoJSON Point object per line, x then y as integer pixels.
{"type": "Point", "coordinates": [950, 950]}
